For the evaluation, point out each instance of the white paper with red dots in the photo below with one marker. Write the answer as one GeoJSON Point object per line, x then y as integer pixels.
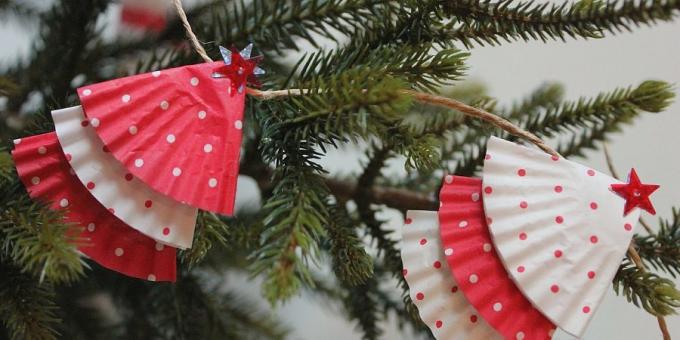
{"type": "Point", "coordinates": [442, 306]}
{"type": "Point", "coordinates": [558, 221]}
{"type": "Point", "coordinates": [42, 167]}
{"type": "Point", "coordinates": [177, 130]}
{"type": "Point", "coordinates": [132, 201]}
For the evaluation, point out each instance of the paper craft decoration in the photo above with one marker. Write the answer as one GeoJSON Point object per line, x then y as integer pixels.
{"type": "Point", "coordinates": [177, 130]}
{"type": "Point", "coordinates": [44, 170]}
{"type": "Point", "coordinates": [441, 304]}
{"type": "Point", "coordinates": [140, 207]}
{"type": "Point", "coordinates": [147, 15]}
{"type": "Point", "coordinates": [476, 267]}
{"type": "Point", "coordinates": [561, 223]}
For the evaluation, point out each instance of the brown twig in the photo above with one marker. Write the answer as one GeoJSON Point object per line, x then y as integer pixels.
{"type": "Point", "coordinates": [632, 252]}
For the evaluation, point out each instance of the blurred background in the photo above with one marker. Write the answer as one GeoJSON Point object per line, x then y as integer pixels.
{"type": "Point", "coordinates": [510, 71]}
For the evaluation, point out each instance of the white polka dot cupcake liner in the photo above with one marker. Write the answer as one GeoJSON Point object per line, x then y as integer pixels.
{"type": "Point", "coordinates": [558, 228]}
{"type": "Point", "coordinates": [132, 201]}
{"type": "Point", "coordinates": [474, 264]}
{"type": "Point", "coordinates": [178, 131]}
{"type": "Point", "coordinates": [44, 169]}
{"type": "Point", "coordinates": [441, 304]}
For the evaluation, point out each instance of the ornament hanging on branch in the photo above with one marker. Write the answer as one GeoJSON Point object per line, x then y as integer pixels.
{"type": "Point", "coordinates": [535, 243]}
{"type": "Point", "coordinates": [147, 151]}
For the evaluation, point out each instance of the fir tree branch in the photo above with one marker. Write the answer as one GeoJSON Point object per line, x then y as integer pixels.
{"type": "Point", "coordinates": [488, 22]}
{"type": "Point", "coordinates": [587, 120]}
{"type": "Point", "coordinates": [38, 241]}
{"type": "Point", "coordinates": [414, 63]}
{"type": "Point", "coordinates": [351, 264]}
{"type": "Point", "coordinates": [654, 294]}
{"type": "Point", "coordinates": [210, 230]}
{"type": "Point", "coordinates": [662, 249]}
{"type": "Point", "coordinates": [27, 309]}
{"type": "Point", "coordinates": [276, 24]}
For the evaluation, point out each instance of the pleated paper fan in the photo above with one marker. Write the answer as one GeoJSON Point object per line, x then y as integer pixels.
{"type": "Point", "coordinates": [45, 172]}
{"type": "Point", "coordinates": [561, 224]}
{"type": "Point", "coordinates": [177, 130]}
{"type": "Point", "coordinates": [476, 267]}
{"type": "Point", "coordinates": [433, 289]}
{"type": "Point", "coordinates": [132, 201]}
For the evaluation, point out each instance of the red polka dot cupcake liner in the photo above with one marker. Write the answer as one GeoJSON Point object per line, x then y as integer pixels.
{"type": "Point", "coordinates": [442, 305]}
{"type": "Point", "coordinates": [45, 171]}
{"type": "Point", "coordinates": [557, 227]}
{"type": "Point", "coordinates": [176, 130]}
{"type": "Point", "coordinates": [473, 262]}
{"type": "Point", "coordinates": [130, 200]}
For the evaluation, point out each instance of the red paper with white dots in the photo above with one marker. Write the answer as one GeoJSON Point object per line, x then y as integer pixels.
{"type": "Point", "coordinates": [474, 263]}
{"type": "Point", "coordinates": [559, 222]}
{"type": "Point", "coordinates": [46, 173]}
{"type": "Point", "coordinates": [178, 130]}
{"type": "Point", "coordinates": [441, 304]}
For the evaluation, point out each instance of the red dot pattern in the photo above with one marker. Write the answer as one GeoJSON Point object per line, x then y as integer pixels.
{"type": "Point", "coordinates": [423, 241]}
{"type": "Point", "coordinates": [521, 172]}
{"type": "Point", "coordinates": [558, 189]}
{"type": "Point", "coordinates": [523, 204]}
{"type": "Point", "coordinates": [555, 288]}
{"type": "Point", "coordinates": [90, 185]}
{"type": "Point", "coordinates": [520, 269]}
{"type": "Point", "coordinates": [523, 236]}
{"type": "Point", "coordinates": [558, 253]}
{"type": "Point", "coordinates": [559, 219]}
{"type": "Point", "coordinates": [437, 264]}
{"type": "Point", "coordinates": [148, 203]}
{"type": "Point", "coordinates": [420, 296]}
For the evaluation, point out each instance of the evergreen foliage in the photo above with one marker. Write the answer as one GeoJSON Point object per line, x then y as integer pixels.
{"type": "Point", "coordinates": [364, 54]}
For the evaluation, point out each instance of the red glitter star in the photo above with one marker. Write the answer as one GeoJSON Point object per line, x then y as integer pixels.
{"type": "Point", "coordinates": [240, 67]}
{"type": "Point", "coordinates": [636, 193]}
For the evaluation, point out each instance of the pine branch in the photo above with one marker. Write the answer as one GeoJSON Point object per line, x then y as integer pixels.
{"type": "Point", "coordinates": [489, 22]}
{"type": "Point", "coordinates": [414, 63]}
{"type": "Point", "coordinates": [276, 24]}
{"type": "Point", "coordinates": [656, 295]}
{"type": "Point", "coordinates": [296, 214]}
{"type": "Point", "coordinates": [586, 120]}
{"type": "Point", "coordinates": [38, 241]}
{"type": "Point", "coordinates": [67, 33]}
{"type": "Point", "coordinates": [351, 264]}
{"type": "Point", "coordinates": [27, 309]}
{"type": "Point", "coordinates": [662, 249]}
{"type": "Point", "coordinates": [210, 231]}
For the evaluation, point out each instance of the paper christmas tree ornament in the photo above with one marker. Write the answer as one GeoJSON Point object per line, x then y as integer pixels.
{"type": "Point", "coordinates": [477, 268]}
{"type": "Point", "coordinates": [145, 15]}
{"type": "Point", "coordinates": [561, 223]}
{"type": "Point", "coordinates": [134, 203]}
{"type": "Point", "coordinates": [44, 170]}
{"type": "Point", "coordinates": [433, 289]}
{"type": "Point", "coordinates": [177, 130]}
